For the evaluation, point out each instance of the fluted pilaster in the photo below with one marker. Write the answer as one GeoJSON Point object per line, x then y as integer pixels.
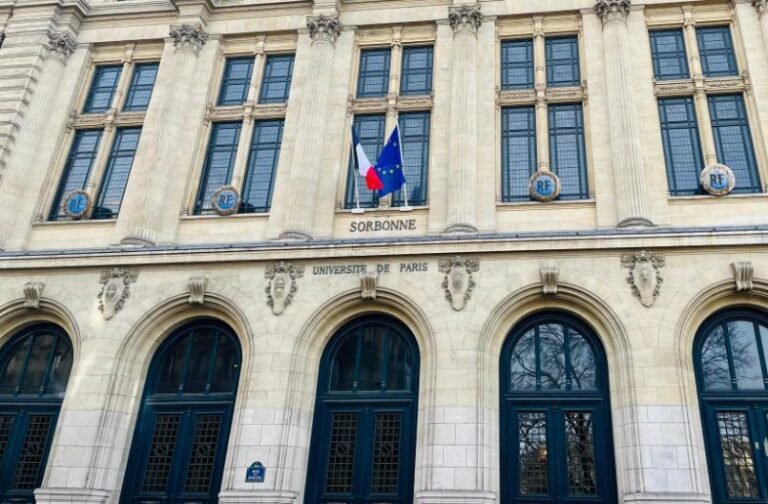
{"type": "Point", "coordinates": [462, 166]}
{"type": "Point", "coordinates": [305, 169]}
{"type": "Point", "coordinates": [143, 224]}
{"type": "Point", "coordinates": [762, 11]}
{"type": "Point", "coordinates": [626, 151]}
{"type": "Point", "coordinates": [60, 46]}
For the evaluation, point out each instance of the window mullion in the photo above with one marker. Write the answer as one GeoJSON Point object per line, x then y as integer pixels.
{"type": "Point", "coordinates": [700, 96]}
{"type": "Point", "coordinates": [257, 75]}
{"type": "Point", "coordinates": [540, 73]}
{"type": "Point", "coordinates": [125, 78]}
{"type": "Point", "coordinates": [243, 149]}
{"type": "Point", "coordinates": [100, 163]}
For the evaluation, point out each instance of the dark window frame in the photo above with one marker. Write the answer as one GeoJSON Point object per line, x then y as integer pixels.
{"type": "Point", "coordinates": [578, 130]}
{"type": "Point", "coordinates": [56, 212]}
{"type": "Point", "coordinates": [728, 51]}
{"type": "Point", "coordinates": [114, 155]}
{"type": "Point", "coordinates": [202, 204]}
{"type": "Point", "coordinates": [134, 86]}
{"type": "Point", "coordinates": [427, 71]}
{"type": "Point", "coordinates": [363, 73]}
{"type": "Point", "coordinates": [267, 79]}
{"type": "Point", "coordinates": [692, 126]}
{"type": "Point", "coordinates": [95, 88]}
{"type": "Point", "coordinates": [507, 64]}
{"type": "Point", "coordinates": [508, 134]}
{"type": "Point", "coordinates": [680, 56]}
{"type": "Point", "coordinates": [255, 147]}
{"type": "Point", "coordinates": [227, 81]}
{"type": "Point", "coordinates": [574, 61]}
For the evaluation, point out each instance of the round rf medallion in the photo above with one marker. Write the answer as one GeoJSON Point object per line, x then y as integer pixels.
{"type": "Point", "coordinates": [544, 186]}
{"type": "Point", "coordinates": [717, 179]}
{"type": "Point", "coordinates": [225, 200]}
{"type": "Point", "coordinates": [76, 205]}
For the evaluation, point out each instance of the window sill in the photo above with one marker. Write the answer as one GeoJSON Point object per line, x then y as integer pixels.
{"type": "Point", "coordinates": [217, 216]}
{"type": "Point", "coordinates": [379, 210]}
{"type": "Point", "coordinates": [545, 205]}
{"type": "Point", "coordinates": [78, 222]}
{"type": "Point", "coordinates": [681, 200]}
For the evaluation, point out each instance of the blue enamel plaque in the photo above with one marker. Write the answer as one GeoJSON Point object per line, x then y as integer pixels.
{"type": "Point", "coordinates": [255, 473]}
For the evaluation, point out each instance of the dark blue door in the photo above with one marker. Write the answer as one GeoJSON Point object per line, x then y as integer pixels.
{"type": "Point", "coordinates": [181, 436]}
{"type": "Point", "coordinates": [364, 430]}
{"type": "Point", "coordinates": [730, 356]}
{"type": "Point", "coordinates": [34, 370]}
{"type": "Point", "coordinates": [556, 440]}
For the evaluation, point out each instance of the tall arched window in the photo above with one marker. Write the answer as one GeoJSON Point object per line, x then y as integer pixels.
{"type": "Point", "coordinates": [555, 414]}
{"type": "Point", "coordinates": [731, 354]}
{"type": "Point", "coordinates": [181, 434]}
{"type": "Point", "coordinates": [34, 370]}
{"type": "Point", "coordinates": [364, 431]}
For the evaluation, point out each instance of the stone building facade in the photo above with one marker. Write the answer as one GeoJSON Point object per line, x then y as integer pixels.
{"type": "Point", "coordinates": [569, 299]}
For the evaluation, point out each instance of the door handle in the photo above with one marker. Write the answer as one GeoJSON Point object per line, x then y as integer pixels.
{"type": "Point", "coordinates": [765, 446]}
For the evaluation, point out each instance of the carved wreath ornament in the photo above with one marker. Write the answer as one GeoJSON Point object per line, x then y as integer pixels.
{"type": "Point", "coordinates": [282, 285]}
{"type": "Point", "coordinates": [458, 283]}
{"type": "Point", "coordinates": [115, 289]}
{"type": "Point", "coordinates": [644, 275]}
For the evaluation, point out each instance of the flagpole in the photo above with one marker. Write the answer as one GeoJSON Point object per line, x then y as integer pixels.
{"type": "Point", "coordinates": [407, 207]}
{"type": "Point", "coordinates": [356, 174]}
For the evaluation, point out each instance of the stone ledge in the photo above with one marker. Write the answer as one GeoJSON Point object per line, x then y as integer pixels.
{"type": "Point", "coordinates": [257, 497]}
{"type": "Point", "coordinates": [666, 498]}
{"type": "Point", "coordinates": [71, 496]}
{"type": "Point", "coordinates": [455, 497]}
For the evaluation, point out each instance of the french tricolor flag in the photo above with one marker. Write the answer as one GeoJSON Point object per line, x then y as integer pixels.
{"type": "Point", "coordinates": [364, 166]}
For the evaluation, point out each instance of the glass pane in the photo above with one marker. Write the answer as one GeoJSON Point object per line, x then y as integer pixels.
{"type": "Point", "coordinates": [11, 367]}
{"type": "Point", "coordinates": [518, 151]}
{"type": "Point", "coordinates": [160, 458]}
{"type": "Point", "coordinates": [237, 78]}
{"type": "Point", "coordinates": [103, 86]}
{"type": "Point", "coordinates": [682, 152]}
{"type": "Point", "coordinates": [219, 162]}
{"type": "Point", "coordinates": [746, 358]}
{"type": "Point", "coordinates": [552, 356]}
{"type": "Point", "coordinates": [562, 54]}
{"type": "Point", "coordinates": [414, 127]}
{"type": "Point", "coordinates": [417, 71]}
{"type": "Point", "coordinates": [40, 355]}
{"type": "Point", "coordinates": [343, 370]}
{"type": "Point", "coordinates": [580, 446]}
{"type": "Point", "coordinates": [716, 51]}
{"type": "Point", "coordinates": [370, 131]}
{"type": "Point", "coordinates": [371, 361]}
{"type": "Point", "coordinates": [522, 366]}
{"type": "Point", "coordinates": [401, 365]}
{"type": "Point", "coordinates": [203, 454]}
{"type": "Point", "coordinates": [386, 453]}
{"type": "Point", "coordinates": [81, 156]}
{"type": "Point", "coordinates": [733, 140]}
{"type": "Point", "coordinates": [226, 367]}
{"type": "Point", "coordinates": [566, 150]}
{"type": "Point", "coordinates": [29, 472]}
{"type": "Point", "coordinates": [199, 362]}
{"type": "Point", "coordinates": [583, 367]}
{"type": "Point", "coordinates": [714, 361]}
{"type": "Point", "coordinates": [60, 368]}
{"type": "Point", "coordinates": [736, 446]}
{"type": "Point", "coordinates": [6, 424]}
{"type": "Point", "coordinates": [532, 436]}
{"type": "Point", "coordinates": [669, 57]}
{"type": "Point", "coordinates": [170, 375]}
{"type": "Point", "coordinates": [276, 83]}
{"type": "Point", "coordinates": [374, 73]}
{"type": "Point", "coordinates": [141, 87]}
{"type": "Point", "coordinates": [341, 453]}
{"type": "Point", "coordinates": [517, 64]}
{"type": "Point", "coordinates": [116, 175]}
{"type": "Point", "coordinates": [262, 165]}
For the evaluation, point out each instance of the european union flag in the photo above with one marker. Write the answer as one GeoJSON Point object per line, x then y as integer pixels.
{"type": "Point", "coordinates": [389, 166]}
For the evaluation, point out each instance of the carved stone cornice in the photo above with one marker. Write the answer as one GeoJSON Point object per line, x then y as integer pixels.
{"type": "Point", "coordinates": [761, 6]}
{"type": "Point", "coordinates": [188, 37]}
{"type": "Point", "coordinates": [324, 28]}
{"type": "Point", "coordinates": [612, 10]}
{"type": "Point", "coordinates": [61, 45]}
{"type": "Point", "coordinates": [465, 18]}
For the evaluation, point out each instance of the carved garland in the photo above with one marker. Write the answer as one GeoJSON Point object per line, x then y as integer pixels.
{"type": "Point", "coordinates": [282, 285]}
{"type": "Point", "coordinates": [644, 275]}
{"type": "Point", "coordinates": [458, 283]}
{"type": "Point", "coordinates": [115, 289]}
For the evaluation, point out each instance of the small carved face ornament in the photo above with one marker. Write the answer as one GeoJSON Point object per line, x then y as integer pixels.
{"type": "Point", "coordinates": [279, 286]}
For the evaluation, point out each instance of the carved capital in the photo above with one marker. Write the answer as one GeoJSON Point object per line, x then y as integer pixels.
{"type": "Point", "coordinates": [743, 273]}
{"type": "Point", "coordinates": [33, 291]}
{"type": "Point", "coordinates": [115, 289]}
{"type": "Point", "coordinates": [282, 285]}
{"type": "Point", "coordinates": [549, 278]}
{"type": "Point", "coordinates": [458, 282]}
{"type": "Point", "coordinates": [612, 10]}
{"type": "Point", "coordinates": [197, 286]}
{"type": "Point", "coordinates": [61, 45]}
{"type": "Point", "coordinates": [465, 18]}
{"type": "Point", "coordinates": [324, 28]}
{"type": "Point", "coordinates": [188, 37]}
{"type": "Point", "coordinates": [368, 285]}
{"type": "Point", "coordinates": [644, 275]}
{"type": "Point", "coordinates": [761, 6]}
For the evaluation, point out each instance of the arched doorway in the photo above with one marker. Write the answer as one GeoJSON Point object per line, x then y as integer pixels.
{"type": "Point", "coordinates": [182, 430]}
{"type": "Point", "coordinates": [556, 440]}
{"type": "Point", "coordinates": [34, 370]}
{"type": "Point", "coordinates": [364, 430]}
{"type": "Point", "coordinates": [730, 355]}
